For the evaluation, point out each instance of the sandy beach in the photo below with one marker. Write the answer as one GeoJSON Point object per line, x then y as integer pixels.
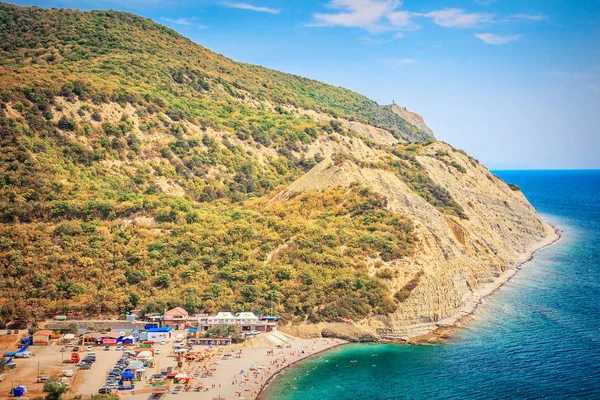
{"type": "Point", "coordinates": [241, 371]}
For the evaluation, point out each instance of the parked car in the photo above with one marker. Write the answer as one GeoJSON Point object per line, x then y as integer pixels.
{"type": "Point", "coordinates": [105, 390]}
{"type": "Point", "coordinates": [157, 351]}
{"type": "Point", "coordinates": [119, 348]}
{"type": "Point", "coordinates": [163, 342]}
{"type": "Point", "coordinates": [84, 366]}
{"type": "Point", "coordinates": [106, 348]}
{"type": "Point", "coordinates": [76, 348]}
{"type": "Point", "coordinates": [63, 349]}
{"type": "Point", "coordinates": [1, 377]}
{"type": "Point", "coordinates": [67, 372]}
{"type": "Point", "coordinates": [90, 348]}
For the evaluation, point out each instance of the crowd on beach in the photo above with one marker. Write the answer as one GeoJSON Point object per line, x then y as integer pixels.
{"type": "Point", "coordinates": [249, 382]}
{"type": "Point", "coordinates": [242, 372]}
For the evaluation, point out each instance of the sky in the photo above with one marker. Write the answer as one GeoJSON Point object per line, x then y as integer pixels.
{"type": "Point", "coordinates": [515, 83]}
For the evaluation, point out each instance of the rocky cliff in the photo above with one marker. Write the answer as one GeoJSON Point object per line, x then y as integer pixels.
{"type": "Point", "coordinates": [458, 260]}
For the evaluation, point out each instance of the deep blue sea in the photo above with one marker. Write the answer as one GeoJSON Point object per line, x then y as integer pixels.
{"type": "Point", "coordinates": [537, 337]}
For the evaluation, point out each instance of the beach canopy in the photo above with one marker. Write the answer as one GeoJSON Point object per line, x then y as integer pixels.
{"type": "Point", "coordinates": [144, 355]}
{"type": "Point", "coordinates": [136, 365]}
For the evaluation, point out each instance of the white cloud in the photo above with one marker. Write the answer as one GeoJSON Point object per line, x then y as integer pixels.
{"type": "Point", "coordinates": [188, 22]}
{"type": "Point", "coordinates": [531, 17]}
{"type": "Point", "coordinates": [490, 38]}
{"type": "Point", "coordinates": [246, 6]}
{"type": "Point", "coordinates": [457, 18]}
{"type": "Point", "coordinates": [402, 20]}
{"type": "Point", "coordinates": [366, 14]}
{"type": "Point", "coordinates": [399, 35]}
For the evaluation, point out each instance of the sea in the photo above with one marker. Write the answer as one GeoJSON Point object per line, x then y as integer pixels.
{"type": "Point", "coordinates": [538, 337]}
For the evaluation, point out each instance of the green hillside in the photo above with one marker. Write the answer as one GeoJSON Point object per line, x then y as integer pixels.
{"type": "Point", "coordinates": [136, 169]}
{"type": "Point", "coordinates": [116, 52]}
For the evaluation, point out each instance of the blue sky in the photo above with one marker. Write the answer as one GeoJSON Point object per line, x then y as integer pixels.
{"type": "Point", "coordinates": [514, 83]}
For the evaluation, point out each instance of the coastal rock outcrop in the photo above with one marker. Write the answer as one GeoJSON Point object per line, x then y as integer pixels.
{"type": "Point", "coordinates": [458, 260]}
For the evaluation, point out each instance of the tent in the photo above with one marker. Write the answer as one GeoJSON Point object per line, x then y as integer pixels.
{"type": "Point", "coordinates": [128, 375]}
{"type": "Point", "coordinates": [69, 336]}
{"type": "Point", "coordinates": [136, 364]}
{"type": "Point", "coordinates": [144, 355]}
{"type": "Point", "coordinates": [128, 340]}
{"type": "Point", "coordinates": [19, 391]}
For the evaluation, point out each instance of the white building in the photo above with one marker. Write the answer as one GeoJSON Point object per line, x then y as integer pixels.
{"type": "Point", "coordinates": [157, 335]}
{"type": "Point", "coordinates": [245, 321]}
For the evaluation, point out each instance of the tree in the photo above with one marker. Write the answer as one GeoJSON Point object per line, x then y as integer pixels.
{"type": "Point", "coordinates": [163, 281]}
{"type": "Point", "coordinates": [54, 389]}
{"type": "Point", "coordinates": [66, 124]}
{"type": "Point", "coordinates": [2, 364]}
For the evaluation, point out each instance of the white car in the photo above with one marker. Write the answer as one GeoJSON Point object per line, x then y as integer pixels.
{"type": "Point", "coordinates": [67, 373]}
{"type": "Point", "coordinates": [163, 342]}
{"type": "Point", "coordinates": [157, 351]}
{"type": "Point", "coordinates": [90, 348]}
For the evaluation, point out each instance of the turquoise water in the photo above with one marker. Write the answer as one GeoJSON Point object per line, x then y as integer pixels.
{"type": "Point", "coordinates": [537, 337]}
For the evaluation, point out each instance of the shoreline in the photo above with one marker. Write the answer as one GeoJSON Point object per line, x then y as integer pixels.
{"type": "Point", "coordinates": [465, 314]}
{"type": "Point", "coordinates": [288, 366]}
{"type": "Point", "coordinates": [454, 322]}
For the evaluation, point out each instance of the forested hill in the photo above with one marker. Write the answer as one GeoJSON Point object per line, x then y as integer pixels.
{"type": "Point", "coordinates": [136, 169]}
{"type": "Point", "coordinates": [141, 170]}
{"type": "Point", "coordinates": [115, 52]}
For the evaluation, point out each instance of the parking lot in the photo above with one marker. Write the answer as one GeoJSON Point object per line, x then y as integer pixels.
{"type": "Point", "coordinates": [46, 361]}
{"type": "Point", "coordinates": [95, 377]}
{"type": "Point", "coordinates": [49, 360]}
